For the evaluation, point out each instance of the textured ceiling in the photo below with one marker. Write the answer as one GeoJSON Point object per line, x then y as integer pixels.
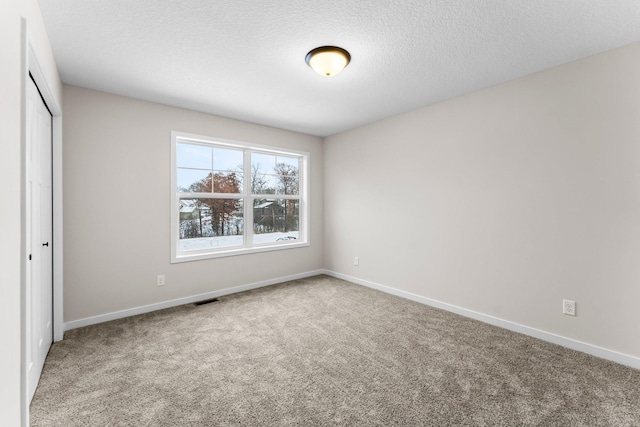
{"type": "Point", "coordinates": [245, 59]}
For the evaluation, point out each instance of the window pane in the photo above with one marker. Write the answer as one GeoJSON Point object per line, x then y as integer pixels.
{"type": "Point", "coordinates": [275, 220]}
{"type": "Point", "coordinates": [262, 163]}
{"type": "Point", "coordinates": [227, 182]}
{"type": "Point", "coordinates": [263, 184]}
{"type": "Point", "coordinates": [291, 161]}
{"type": "Point", "coordinates": [225, 160]}
{"type": "Point", "coordinates": [193, 180]}
{"type": "Point", "coordinates": [210, 223]}
{"type": "Point", "coordinates": [287, 179]}
{"type": "Point", "coordinates": [193, 156]}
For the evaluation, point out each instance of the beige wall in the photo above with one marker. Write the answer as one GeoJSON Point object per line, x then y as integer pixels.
{"type": "Point", "coordinates": [11, 12]}
{"type": "Point", "coordinates": [117, 157]}
{"type": "Point", "coordinates": [504, 201]}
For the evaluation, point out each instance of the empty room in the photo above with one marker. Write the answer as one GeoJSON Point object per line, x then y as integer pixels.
{"type": "Point", "coordinates": [242, 213]}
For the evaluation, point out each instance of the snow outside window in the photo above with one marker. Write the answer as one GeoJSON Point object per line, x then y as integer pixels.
{"type": "Point", "coordinates": [232, 198]}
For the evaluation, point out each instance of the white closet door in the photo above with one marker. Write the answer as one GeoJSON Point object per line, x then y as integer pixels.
{"type": "Point", "coordinates": [39, 237]}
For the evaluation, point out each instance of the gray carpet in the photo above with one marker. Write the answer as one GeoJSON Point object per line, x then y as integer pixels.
{"type": "Point", "coordinates": [321, 351]}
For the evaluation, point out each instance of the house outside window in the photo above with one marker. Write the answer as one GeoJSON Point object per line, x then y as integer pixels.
{"type": "Point", "coordinates": [233, 198]}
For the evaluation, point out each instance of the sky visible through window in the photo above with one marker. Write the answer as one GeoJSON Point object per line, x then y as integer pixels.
{"type": "Point", "coordinates": [196, 162]}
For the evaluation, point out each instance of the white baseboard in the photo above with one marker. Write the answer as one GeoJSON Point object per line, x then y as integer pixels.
{"type": "Point", "coordinates": [593, 350]}
{"type": "Point", "coordinates": [181, 301]}
{"type": "Point", "coordinates": [583, 347]}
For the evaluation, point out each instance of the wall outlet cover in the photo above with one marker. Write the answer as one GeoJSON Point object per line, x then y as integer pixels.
{"type": "Point", "coordinates": [569, 307]}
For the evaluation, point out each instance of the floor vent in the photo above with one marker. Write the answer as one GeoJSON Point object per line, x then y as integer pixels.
{"type": "Point", "coordinates": [206, 301]}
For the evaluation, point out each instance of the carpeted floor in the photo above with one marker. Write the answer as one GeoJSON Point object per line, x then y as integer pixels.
{"type": "Point", "coordinates": [321, 351]}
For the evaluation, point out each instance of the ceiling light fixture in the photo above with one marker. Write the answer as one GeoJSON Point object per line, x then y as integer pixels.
{"type": "Point", "coordinates": [328, 60]}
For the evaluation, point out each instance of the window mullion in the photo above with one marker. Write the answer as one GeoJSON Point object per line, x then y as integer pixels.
{"type": "Point", "coordinates": [209, 196]}
{"type": "Point", "coordinates": [248, 200]}
{"type": "Point", "coordinates": [282, 196]}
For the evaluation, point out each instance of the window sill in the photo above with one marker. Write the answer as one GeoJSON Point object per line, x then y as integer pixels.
{"type": "Point", "coordinates": [197, 256]}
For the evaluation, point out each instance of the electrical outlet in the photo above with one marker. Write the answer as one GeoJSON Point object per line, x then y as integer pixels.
{"type": "Point", "coordinates": [356, 261]}
{"type": "Point", "coordinates": [160, 281]}
{"type": "Point", "coordinates": [568, 307]}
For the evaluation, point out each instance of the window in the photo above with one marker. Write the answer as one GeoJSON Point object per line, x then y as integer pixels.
{"type": "Point", "coordinates": [231, 198]}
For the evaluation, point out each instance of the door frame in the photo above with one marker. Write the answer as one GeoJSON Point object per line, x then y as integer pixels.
{"type": "Point", "coordinates": [31, 63]}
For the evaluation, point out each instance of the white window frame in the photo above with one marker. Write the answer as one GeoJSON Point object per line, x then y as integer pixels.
{"type": "Point", "coordinates": [248, 247]}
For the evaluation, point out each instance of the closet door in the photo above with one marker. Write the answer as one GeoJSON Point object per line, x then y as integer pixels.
{"type": "Point", "coordinates": [39, 200]}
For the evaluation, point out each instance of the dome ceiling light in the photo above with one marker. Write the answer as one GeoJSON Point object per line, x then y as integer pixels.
{"type": "Point", "coordinates": [328, 60]}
